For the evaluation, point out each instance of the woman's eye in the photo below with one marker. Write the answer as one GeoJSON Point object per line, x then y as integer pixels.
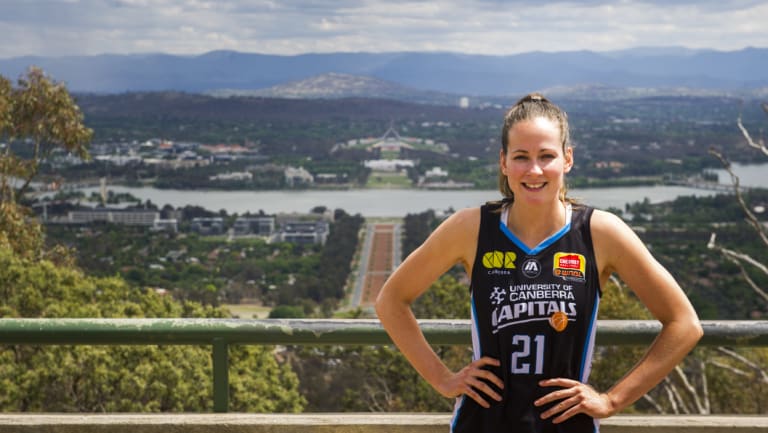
{"type": "Point", "coordinates": [520, 158]}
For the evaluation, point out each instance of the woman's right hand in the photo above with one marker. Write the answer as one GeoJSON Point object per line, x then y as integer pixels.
{"type": "Point", "coordinates": [473, 381]}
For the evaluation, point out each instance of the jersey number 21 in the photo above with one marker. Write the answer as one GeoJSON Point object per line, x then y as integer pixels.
{"type": "Point", "coordinates": [524, 357]}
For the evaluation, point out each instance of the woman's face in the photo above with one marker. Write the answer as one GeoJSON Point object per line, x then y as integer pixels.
{"type": "Point", "coordinates": [534, 162]}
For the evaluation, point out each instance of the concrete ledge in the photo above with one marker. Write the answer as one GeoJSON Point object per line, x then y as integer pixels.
{"type": "Point", "coordinates": [339, 423]}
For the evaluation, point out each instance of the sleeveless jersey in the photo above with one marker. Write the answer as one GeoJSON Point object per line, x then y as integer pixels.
{"type": "Point", "coordinates": [535, 311]}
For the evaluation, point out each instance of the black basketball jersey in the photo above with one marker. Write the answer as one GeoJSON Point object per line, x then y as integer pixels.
{"type": "Point", "coordinates": [534, 310]}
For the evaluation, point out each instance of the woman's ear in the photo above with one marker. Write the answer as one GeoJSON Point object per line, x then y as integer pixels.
{"type": "Point", "coordinates": [568, 159]}
{"type": "Point", "coordinates": [502, 162]}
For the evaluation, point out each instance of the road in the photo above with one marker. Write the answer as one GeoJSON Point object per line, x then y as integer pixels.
{"type": "Point", "coordinates": [379, 256]}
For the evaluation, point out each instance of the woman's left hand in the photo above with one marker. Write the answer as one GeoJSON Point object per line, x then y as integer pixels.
{"type": "Point", "coordinates": [575, 397]}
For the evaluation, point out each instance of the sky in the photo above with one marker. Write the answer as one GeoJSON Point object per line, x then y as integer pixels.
{"type": "Point", "coordinates": [289, 27]}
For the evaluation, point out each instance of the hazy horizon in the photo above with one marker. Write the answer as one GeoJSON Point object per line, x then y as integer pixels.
{"type": "Point", "coordinates": [53, 28]}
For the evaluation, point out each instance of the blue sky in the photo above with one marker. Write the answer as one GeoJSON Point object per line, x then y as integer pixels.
{"type": "Point", "coordinates": [494, 27]}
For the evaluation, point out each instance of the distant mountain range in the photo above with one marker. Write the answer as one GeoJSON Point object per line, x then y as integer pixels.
{"type": "Point", "coordinates": [415, 76]}
{"type": "Point", "coordinates": [333, 85]}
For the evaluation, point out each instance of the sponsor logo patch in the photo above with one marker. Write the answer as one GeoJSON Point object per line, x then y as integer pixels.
{"type": "Point", "coordinates": [499, 260]}
{"type": "Point", "coordinates": [531, 268]}
{"type": "Point", "coordinates": [569, 266]}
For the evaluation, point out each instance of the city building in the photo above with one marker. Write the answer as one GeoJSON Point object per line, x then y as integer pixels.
{"type": "Point", "coordinates": [233, 176]}
{"type": "Point", "coordinates": [169, 225]}
{"type": "Point", "coordinates": [208, 225]}
{"type": "Point", "coordinates": [392, 165]}
{"type": "Point", "coordinates": [260, 226]}
{"type": "Point", "coordinates": [297, 176]}
{"type": "Point", "coordinates": [115, 216]}
{"type": "Point", "coordinates": [304, 232]}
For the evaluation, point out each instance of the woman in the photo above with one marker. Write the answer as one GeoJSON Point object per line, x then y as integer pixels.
{"type": "Point", "coordinates": [537, 262]}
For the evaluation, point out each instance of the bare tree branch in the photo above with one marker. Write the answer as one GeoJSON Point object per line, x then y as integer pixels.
{"type": "Point", "coordinates": [761, 231]}
{"type": "Point", "coordinates": [678, 372]}
{"type": "Point", "coordinates": [757, 145]}
{"type": "Point", "coordinates": [737, 258]}
{"type": "Point", "coordinates": [704, 387]}
{"type": "Point", "coordinates": [615, 280]}
{"type": "Point", "coordinates": [675, 394]}
{"type": "Point", "coordinates": [377, 392]}
{"type": "Point", "coordinates": [671, 397]}
{"type": "Point", "coordinates": [656, 406]}
{"type": "Point", "coordinates": [745, 275]}
{"type": "Point", "coordinates": [744, 257]}
{"type": "Point", "coordinates": [760, 371]}
{"type": "Point", "coordinates": [730, 368]}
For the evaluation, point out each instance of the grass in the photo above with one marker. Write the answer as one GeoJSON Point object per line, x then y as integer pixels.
{"type": "Point", "coordinates": [248, 311]}
{"type": "Point", "coordinates": [382, 179]}
{"type": "Point", "coordinates": [390, 154]}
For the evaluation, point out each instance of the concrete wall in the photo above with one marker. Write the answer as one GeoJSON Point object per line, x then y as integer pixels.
{"type": "Point", "coordinates": [338, 423]}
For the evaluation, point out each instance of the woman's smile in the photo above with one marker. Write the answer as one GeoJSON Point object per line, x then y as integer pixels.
{"type": "Point", "coordinates": [534, 186]}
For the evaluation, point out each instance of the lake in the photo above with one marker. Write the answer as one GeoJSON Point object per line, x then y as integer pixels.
{"type": "Point", "coordinates": [380, 202]}
{"type": "Point", "coordinates": [399, 202]}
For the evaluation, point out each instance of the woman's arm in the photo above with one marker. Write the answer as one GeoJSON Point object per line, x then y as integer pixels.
{"type": "Point", "coordinates": [454, 241]}
{"type": "Point", "coordinates": [619, 250]}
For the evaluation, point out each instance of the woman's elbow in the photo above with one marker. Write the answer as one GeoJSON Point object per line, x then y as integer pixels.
{"type": "Point", "coordinates": [384, 302]}
{"type": "Point", "coordinates": [380, 305]}
{"type": "Point", "coordinates": [696, 329]}
{"type": "Point", "coordinates": [693, 331]}
{"type": "Point", "coordinates": [390, 302]}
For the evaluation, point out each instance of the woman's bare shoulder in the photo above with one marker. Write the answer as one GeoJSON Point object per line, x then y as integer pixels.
{"type": "Point", "coordinates": [461, 223]}
{"type": "Point", "coordinates": [606, 224]}
{"type": "Point", "coordinates": [615, 243]}
{"type": "Point", "coordinates": [457, 233]}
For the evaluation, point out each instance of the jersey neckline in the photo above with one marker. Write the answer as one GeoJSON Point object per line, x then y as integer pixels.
{"type": "Point", "coordinates": [543, 244]}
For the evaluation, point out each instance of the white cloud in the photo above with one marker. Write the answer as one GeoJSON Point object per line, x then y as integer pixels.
{"type": "Point", "coordinates": [62, 27]}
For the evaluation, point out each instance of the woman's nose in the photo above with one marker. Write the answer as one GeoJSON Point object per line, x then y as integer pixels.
{"type": "Point", "coordinates": [534, 167]}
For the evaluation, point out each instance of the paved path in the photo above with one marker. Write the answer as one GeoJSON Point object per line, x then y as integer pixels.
{"type": "Point", "coordinates": [379, 256]}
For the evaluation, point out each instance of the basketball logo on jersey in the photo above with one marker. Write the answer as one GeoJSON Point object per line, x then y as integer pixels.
{"type": "Point", "coordinates": [569, 266]}
{"type": "Point", "coordinates": [531, 268]}
{"type": "Point", "coordinates": [558, 321]}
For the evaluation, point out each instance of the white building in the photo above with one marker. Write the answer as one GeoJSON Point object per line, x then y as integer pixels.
{"type": "Point", "coordinates": [127, 217]}
{"type": "Point", "coordinates": [435, 172]}
{"type": "Point", "coordinates": [297, 176]}
{"type": "Point", "coordinates": [236, 175]}
{"type": "Point", "coordinates": [388, 164]}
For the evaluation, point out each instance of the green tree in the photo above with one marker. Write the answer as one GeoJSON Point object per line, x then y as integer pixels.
{"type": "Point", "coordinates": [710, 380]}
{"type": "Point", "coordinates": [379, 378]}
{"type": "Point", "coordinates": [610, 363]}
{"type": "Point", "coordinates": [287, 312]}
{"type": "Point", "coordinates": [40, 113]}
{"type": "Point", "coordinates": [121, 378]}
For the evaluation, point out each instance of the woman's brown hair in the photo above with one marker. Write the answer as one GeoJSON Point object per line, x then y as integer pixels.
{"type": "Point", "coordinates": [530, 107]}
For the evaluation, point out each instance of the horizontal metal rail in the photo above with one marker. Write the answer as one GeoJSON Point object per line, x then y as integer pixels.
{"type": "Point", "coordinates": [221, 333]}
{"type": "Point", "coordinates": [323, 331]}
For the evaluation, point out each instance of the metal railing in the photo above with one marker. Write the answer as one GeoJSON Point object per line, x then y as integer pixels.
{"type": "Point", "coordinates": [221, 333]}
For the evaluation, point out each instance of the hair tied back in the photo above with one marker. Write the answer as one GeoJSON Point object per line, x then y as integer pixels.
{"type": "Point", "coordinates": [534, 97]}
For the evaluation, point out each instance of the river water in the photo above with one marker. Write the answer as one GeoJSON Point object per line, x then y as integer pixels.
{"type": "Point", "coordinates": [399, 202]}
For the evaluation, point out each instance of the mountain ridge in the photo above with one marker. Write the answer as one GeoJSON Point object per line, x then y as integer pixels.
{"type": "Point", "coordinates": [445, 73]}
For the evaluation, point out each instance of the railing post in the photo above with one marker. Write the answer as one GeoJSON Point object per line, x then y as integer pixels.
{"type": "Point", "coordinates": [220, 375]}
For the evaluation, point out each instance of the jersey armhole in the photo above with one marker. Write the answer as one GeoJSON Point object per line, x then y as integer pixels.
{"type": "Point", "coordinates": [587, 233]}
{"type": "Point", "coordinates": [487, 215]}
